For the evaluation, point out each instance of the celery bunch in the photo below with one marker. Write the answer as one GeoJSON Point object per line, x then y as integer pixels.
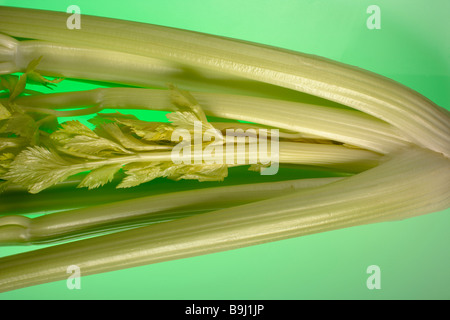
{"type": "Point", "coordinates": [389, 145]}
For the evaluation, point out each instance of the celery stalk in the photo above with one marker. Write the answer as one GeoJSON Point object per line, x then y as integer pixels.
{"type": "Point", "coordinates": [348, 126]}
{"type": "Point", "coordinates": [17, 230]}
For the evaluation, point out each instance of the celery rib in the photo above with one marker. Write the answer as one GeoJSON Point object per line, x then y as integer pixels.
{"type": "Point", "coordinates": [80, 62]}
{"type": "Point", "coordinates": [347, 126]}
{"type": "Point", "coordinates": [19, 230]}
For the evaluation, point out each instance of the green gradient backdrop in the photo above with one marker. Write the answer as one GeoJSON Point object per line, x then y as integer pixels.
{"type": "Point", "coordinates": [412, 47]}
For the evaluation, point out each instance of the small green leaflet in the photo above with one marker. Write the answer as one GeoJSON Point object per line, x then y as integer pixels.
{"type": "Point", "coordinates": [145, 130]}
{"type": "Point", "coordinates": [75, 136]}
{"type": "Point", "coordinates": [190, 113]}
{"type": "Point", "coordinates": [16, 85]}
{"type": "Point", "coordinates": [4, 112]}
{"type": "Point", "coordinates": [101, 176]}
{"type": "Point", "coordinates": [20, 124]}
{"type": "Point", "coordinates": [138, 173]}
{"type": "Point", "coordinates": [38, 168]}
{"type": "Point", "coordinates": [5, 161]}
{"type": "Point", "coordinates": [126, 139]}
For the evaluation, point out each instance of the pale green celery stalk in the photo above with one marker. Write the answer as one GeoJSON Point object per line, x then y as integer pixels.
{"type": "Point", "coordinates": [221, 126]}
{"type": "Point", "coordinates": [19, 230]}
{"type": "Point", "coordinates": [66, 196]}
{"type": "Point", "coordinates": [64, 61]}
{"type": "Point", "coordinates": [32, 164]}
{"type": "Point", "coordinates": [282, 134]}
{"type": "Point", "coordinates": [330, 156]}
{"type": "Point", "coordinates": [410, 183]}
{"type": "Point", "coordinates": [336, 157]}
{"type": "Point", "coordinates": [417, 117]}
{"type": "Point", "coordinates": [347, 126]}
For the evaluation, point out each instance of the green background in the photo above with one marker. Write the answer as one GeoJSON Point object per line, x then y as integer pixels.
{"type": "Point", "coordinates": [412, 47]}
